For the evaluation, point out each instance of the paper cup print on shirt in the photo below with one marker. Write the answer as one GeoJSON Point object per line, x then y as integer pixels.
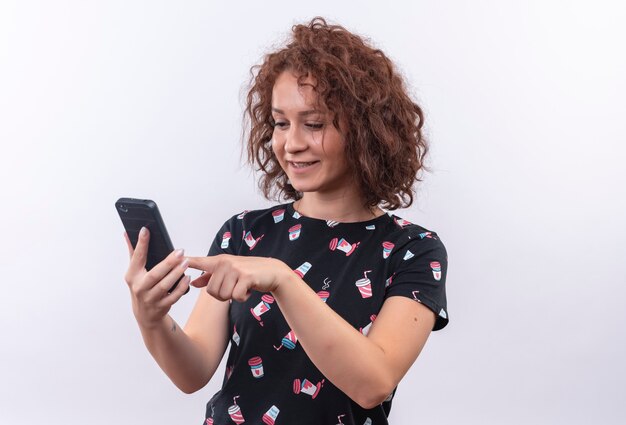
{"type": "Point", "coordinates": [402, 222]}
{"type": "Point", "coordinates": [256, 367]}
{"type": "Point", "coordinates": [436, 267]}
{"type": "Point", "coordinates": [270, 416]}
{"type": "Point", "coordinates": [343, 245]}
{"type": "Point", "coordinates": [225, 238]}
{"type": "Point", "coordinates": [289, 341]}
{"type": "Point", "coordinates": [278, 215]}
{"type": "Point", "coordinates": [262, 307]}
{"type": "Point", "coordinates": [251, 241]}
{"type": "Point", "coordinates": [235, 412]}
{"type": "Point", "coordinates": [305, 267]}
{"type": "Point", "coordinates": [364, 285]}
{"type": "Point", "coordinates": [307, 387]}
{"type": "Point", "coordinates": [387, 247]}
{"type": "Point", "coordinates": [294, 232]}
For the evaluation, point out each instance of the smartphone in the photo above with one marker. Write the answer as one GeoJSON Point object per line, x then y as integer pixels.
{"type": "Point", "coordinates": [137, 213]}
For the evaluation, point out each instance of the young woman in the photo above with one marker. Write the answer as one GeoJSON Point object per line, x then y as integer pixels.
{"type": "Point", "coordinates": [326, 300]}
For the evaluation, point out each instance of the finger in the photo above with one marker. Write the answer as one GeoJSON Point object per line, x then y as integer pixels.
{"type": "Point", "coordinates": [201, 281]}
{"type": "Point", "coordinates": [206, 264]}
{"type": "Point", "coordinates": [129, 245]}
{"type": "Point", "coordinates": [165, 284]}
{"type": "Point", "coordinates": [178, 292]}
{"type": "Point", "coordinates": [138, 260]}
{"type": "Point", "coordinates": [214, 285]}
{"type": "Point", "coordinates": [158, 272]}
{"type": "Point", "coordinates": [241, 292]}
{"type": "Point", "coordinates": [228, 284]}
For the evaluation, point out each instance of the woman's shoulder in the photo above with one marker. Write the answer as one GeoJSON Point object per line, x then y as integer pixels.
{"type": "Point", "coordinates": [248, 217]}
{"type": "Point", "coordinates": [403, 233]}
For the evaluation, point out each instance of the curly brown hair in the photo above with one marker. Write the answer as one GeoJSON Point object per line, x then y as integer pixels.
{"type": "Point", "coordinates": [359, 85]}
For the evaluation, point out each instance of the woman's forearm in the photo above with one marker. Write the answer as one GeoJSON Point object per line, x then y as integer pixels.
{"type": "Point", "coordinates": [178, 355]}
{"type": "Point", "coordinates": [351, 361]}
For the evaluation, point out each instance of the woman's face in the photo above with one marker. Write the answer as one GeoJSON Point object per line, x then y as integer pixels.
{"type": "Point", "coordinates": [308, 147]}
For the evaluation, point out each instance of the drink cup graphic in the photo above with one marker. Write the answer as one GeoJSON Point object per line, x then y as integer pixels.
{"type": "Point", "coordinates": [425, 235]}
{"type": "Point", "coordinates": [289, 341]}
{"type": "Point", "coordinates": [235, 412]}
{"type": "Point", "coordinates": [296, 215]}
{"type": "Point", "coordinates": [331, 223]}
{"type": "Point", "coordinates": [402, 222]}
{"type": "Point", "coordinates": [209, 421]}
{"type": "Point", "coordinates": [305, 267]}
{"type": "Point", "coordinates": [436, 269]}
{"type": "Point", "coordinates": [262, 307]}
{"type": "Point", "coordinates": [256, 367]}
{"type": "Point", "coordinates": [240, 216]}
{"type": "Point", "coordinates": [270, 416]}
{"type": "Point", "coordinates": [371, 227]}
{"type": "Point", "coordinates": [323, 295]}
{"type": "Point", "coordinates": [387, 247]}
{"type": "Point", "coordinates": [389, 280]}
{"type": "Point", "coordinates": [294, 232]}
{"type": "Point", "coordinates": [251, 241]}
{"type": "Point", "coordinates": [364, 285]}
{"type": "Point", "coordinates": [343, 245]}
{"type": "Point", "coordinates": [236, 337]}
{"type": "Point", "coordinates": [278, 215]}
{"type": "Point", "coordinates": [408, 255]}
{"type": "Point", "coordinates": [368, 421]}
{"type": "Point", "coordinates": [366, 329]}
{"type": "Point", "coordinates": [225, 239]}
{"type": "Point", "coordinates": [307, 387]}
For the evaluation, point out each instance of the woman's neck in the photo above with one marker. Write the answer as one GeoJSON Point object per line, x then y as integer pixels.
{"type": "Point", "coordinates": [341, 208]}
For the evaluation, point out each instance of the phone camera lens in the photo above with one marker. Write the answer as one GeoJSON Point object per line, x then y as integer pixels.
{"type": "Point", "coordinates": [123, 208]}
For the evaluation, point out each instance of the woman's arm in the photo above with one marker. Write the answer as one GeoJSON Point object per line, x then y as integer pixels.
{"type": "Point", "coordinates": [188, 358]}
{"type": "Point", "coordinates": [366, 368]}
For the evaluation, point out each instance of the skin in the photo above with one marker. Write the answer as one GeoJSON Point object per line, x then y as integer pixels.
{"type": "Point", "coordinates": [190, 357]}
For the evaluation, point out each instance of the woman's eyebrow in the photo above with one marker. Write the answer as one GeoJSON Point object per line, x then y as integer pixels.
{"type": "Point", "coordinates": [301, 113]}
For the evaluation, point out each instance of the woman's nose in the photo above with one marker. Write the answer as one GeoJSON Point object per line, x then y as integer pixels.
{"type": "Point", "coordinates": [295, 140]}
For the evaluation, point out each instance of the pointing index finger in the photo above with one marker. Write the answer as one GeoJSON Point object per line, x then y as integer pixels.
{"type": "Point", "coordinates": [206, 264]}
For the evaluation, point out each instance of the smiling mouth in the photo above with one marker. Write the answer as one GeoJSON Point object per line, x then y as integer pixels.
{"type": "Point", "coordinates": [301, 164]}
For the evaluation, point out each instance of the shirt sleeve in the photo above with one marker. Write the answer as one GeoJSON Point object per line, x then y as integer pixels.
{"type": "Point", "coordinates": [419, 270]}
{"type": "Point", "coordinates": [228, 238]}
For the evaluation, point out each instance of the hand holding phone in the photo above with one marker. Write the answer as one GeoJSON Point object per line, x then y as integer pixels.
{"type": "Point", "coordinates": [155, 269]}
{"type": "Point", "coordinates": [150, 290]}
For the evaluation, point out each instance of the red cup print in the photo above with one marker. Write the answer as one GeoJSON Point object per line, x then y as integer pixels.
{"type": "Point", "coordinates": [305, 267]}
{"type": "Point", "coordinates": [256, 367]}
{"type": "Point", "coordinates": [235, 414]}
{"type": "Point", "coordinates": [436, 269]}
{"type": "Point", "coordinates": [278, 215]}
{"type": "Point", "coordinates": [307, 387]}
{"type": "Point", "coordinates": [365, 287]}
{"type": "Point", "coordinates": [323, 295]}
{"type": "Point", "coordinates": [225, 238]}
{"type": "Point", "coordinates": [270, 416]}
{"type": "Point", "coordinates": [387, 247]}
{"type": "Point", "coordinates": [294, 232]}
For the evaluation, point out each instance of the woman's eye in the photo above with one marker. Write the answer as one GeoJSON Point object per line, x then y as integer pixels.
{"type": "Point", "coordinates": [315, 126]}
{"type": "Point", "coordinates": [280, 124]}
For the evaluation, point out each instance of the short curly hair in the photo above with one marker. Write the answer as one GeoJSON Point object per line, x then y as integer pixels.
{"type": "Point", "coordinates": [385, 146]}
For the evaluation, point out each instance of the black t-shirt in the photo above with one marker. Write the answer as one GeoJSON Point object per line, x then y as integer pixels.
{"type": "Point", "coordinates": [353, 267]}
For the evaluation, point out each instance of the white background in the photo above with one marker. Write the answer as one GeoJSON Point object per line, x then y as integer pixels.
{"type": "Point", "coordinates": [525, 111]}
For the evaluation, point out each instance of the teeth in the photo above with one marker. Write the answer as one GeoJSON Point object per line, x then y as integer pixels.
{"type": "Point", "coordinates": [301, 164]}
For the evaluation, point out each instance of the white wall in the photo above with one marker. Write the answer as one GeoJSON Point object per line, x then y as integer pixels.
{"type": "Point", "coordinates": [525, 112]}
